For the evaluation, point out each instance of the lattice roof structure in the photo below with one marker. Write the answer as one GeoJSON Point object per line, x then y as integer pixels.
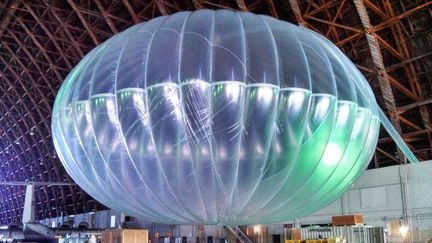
{"type": "Point", "coordinates": [390, 41]}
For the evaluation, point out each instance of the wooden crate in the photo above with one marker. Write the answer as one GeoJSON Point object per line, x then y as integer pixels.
{"type": "Point", "coordinates": [125, 236]}
{"type": "Point", "coordinates": [296, 234]}
{"type": "Point", "coordinates": [106, 236]}
{"type": "Point", "coordinates": [336, 240]}
{"type": "Point", "coordinates": [292, 234]}
{"type": "Point", "coordinates": [354, 219]}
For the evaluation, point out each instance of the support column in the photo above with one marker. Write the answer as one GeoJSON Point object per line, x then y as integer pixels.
{"type": "Point", "coordinates": [29, 204]}
{"type": "Point", "coordinates": [344, 204]}
{"type": "Point", "coordinates": [122, 220]}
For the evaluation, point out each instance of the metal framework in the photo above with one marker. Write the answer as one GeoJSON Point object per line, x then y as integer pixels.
{"type": "Point", "coordinates": [41, 41]}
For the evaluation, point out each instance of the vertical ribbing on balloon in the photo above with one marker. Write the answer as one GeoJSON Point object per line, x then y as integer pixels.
{"type": "Point", "coordinates": [154, 145]}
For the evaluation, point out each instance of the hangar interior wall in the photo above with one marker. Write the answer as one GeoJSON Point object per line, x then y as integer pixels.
{"type": "Point", "coordinates": [386, 194]}
{"type": "Point", "coordinates": [380, 195]}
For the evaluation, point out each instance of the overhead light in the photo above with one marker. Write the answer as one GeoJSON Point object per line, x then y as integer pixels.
{"type": "Point", "coordinates": [403, 230]}
{"type": "Point", "coordinates": [4, 227]}
{"type": "Point", "coordinates": [257, 229]}
{"type": "Point", "coordinates": [31, 131]}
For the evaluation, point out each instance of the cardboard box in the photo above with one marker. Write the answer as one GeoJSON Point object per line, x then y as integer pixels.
{"type": "Point", "coordinates": [336, 240]}
{"type": "Point", "coordinates": [355, 219]}
{"type": "Point", "coordinates": [296, 234]}
{"type": "Point", "coordinates": [125, 236]}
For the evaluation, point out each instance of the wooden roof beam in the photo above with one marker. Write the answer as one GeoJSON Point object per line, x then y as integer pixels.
{"type": "Point", "coordinates": [30, 56]}
{"type": "Point", "coordinates": [355, 30]}
{"type": "Point", "coordinates": [131, 11]}
{"type": "Point", "coordinates": [378, 62]}
{"type": "Point", "coordinates": [8, 16]}
{"type": "Point", "coordinates": [389, 155]}
{"type": "Point", "coordinates": [50, 36]}
{"type": "Point", "coordinates": [106, 17]}
{"type": "Point", "coordinates": [272, 8]}
{"type": "Point", "coordinates": [405, 14]}
{"type": "Point", "coordinates": [409, 69]}
{"type": "Point", "coordinates": [84, 22]}
{"type": "Point", "coordinates": [32, 99]}
{"type": "Point", "coordinates": [242, 5]}
{"type": "Point", "coordinates": [38, 44]}
{"type": "Point", "coordinates": [161, 6]}
{"type": "Point", "coordinates": [338, 13]}
{"type": "Point", "coordinates": [66, 29]}
{"type": "Point", "coordinates": [32, 118]}
{"type": "Point", "coordinates": [297, 12]}
{"type": "Point", "coordinates": [402, 88]}
{"type": "Point", "coordinates": [405, 108]}
{"type": "Point", "coordinates": [383, 79]}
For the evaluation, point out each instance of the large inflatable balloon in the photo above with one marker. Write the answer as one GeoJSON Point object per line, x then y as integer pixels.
{"type": "Point", "coordinates": [215, 117]}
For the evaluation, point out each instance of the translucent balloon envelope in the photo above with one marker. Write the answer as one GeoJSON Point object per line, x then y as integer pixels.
{"type": "Point", "coordinates": [215, 117]}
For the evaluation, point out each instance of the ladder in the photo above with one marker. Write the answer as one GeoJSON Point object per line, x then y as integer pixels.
{"type": "Point", "coordinates": [239, 234]}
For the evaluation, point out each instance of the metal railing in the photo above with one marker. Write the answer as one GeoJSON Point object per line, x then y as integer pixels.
{"type": "Point", "coordinates": [239, 234]}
